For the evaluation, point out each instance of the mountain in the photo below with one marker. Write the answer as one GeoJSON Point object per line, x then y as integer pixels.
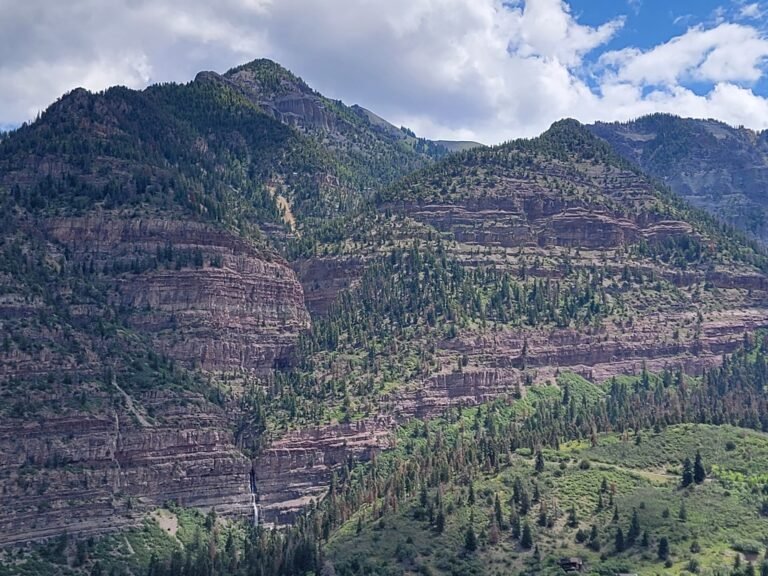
{"type": "Point", "coordinates": [143, 289]}
{"type": "Point", "coordinates": [234, 294]}
{"type": "Point", "coordinates": [492, 271]}
{"type": "Point", "coordinates": [133, 264]}
{"type": "Point", "coordinates": [368, 150]}
{"type": "Point", "coordinates": [712, 165]}
{"type": "Point", "coordinates": [139, 258]}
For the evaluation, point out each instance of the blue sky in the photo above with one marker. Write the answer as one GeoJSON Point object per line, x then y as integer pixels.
{"type": "Point", "coordinates": [649, 23]}
{"type": "Point", "coordinates": [488, 70]}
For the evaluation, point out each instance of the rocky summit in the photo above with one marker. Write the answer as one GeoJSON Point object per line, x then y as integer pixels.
{"type": "Point", "coordinates": [245, 322]}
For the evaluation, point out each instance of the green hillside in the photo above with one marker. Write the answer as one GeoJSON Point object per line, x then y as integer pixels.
{"type": "Point", "coordinates": [576, 505]}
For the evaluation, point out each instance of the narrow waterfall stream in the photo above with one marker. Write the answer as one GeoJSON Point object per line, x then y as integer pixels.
{"type": "Point", "coordinates": [254, 498]}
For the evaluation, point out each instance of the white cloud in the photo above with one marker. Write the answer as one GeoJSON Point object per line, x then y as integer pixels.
{"type": "Point", "coordinates": [753, 11]}
{"type": "Point", "coordinates": [483, 69]}
{"type": "Point", "coordinates": [725, 53]}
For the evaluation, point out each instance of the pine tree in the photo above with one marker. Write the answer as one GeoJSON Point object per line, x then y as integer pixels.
{"type": "Point", "coordinates": [525, 502]}
{"type": "Point", "coordinates": [514, 521]}
{"type": "Point", "coordinates": [573, 519]}
{"type": "Point", "coordinates": [539, 462]}
{"type": "Point", "coordinates": [687, 477]}
{"type": "Point", "coordinates": [699, 473]}
{"type": "Point", "coordinates": [470, 538]}
{"type": "Point", "coordinates": [594, 538]}
{"type": "Point", "coordinates": [682, 515]}
{"type": "Point", "coordinates": [634, 528]}
{"type": "Point", "coordinates": [497, 511]}
{"type": "Point", "coordinates": [517, 490]}
{"type": "Point", "coordinates": [619, 542]}
{"type": "Point", "coordinates": [663, 551]}
{"type": "Point", "coordinates": [440, 521]}
{"type": "Point", "coordinates": [646, 541]}
{"type": "Point", "coordinates": [526, 540]}
{"type": "Point", "coordinates": [543, 518]}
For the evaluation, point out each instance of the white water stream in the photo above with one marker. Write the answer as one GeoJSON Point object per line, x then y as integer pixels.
{"type": "Point", "coordinates": [254, 498]}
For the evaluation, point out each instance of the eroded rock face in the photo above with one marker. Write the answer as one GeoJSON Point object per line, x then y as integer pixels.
{"type": "Point", "coordinates": [214, 301]}
{"type": "Point", "coordinates": [297, 468]}
{"type": "Point", "coordinates": [90, 473]}
{"type": "Point", "coordinates": [516, 211]}
{"type": "Point", "coordinates": [95, 455]}
{"type": "Point", "coordinates": [323, 279]}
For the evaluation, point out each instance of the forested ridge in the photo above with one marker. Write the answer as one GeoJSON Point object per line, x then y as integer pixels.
{"type": "Point", "coordinates": [468, 286]}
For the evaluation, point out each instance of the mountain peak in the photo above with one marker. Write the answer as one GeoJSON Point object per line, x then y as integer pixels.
{"type": "Point", "coordinates": [271, 78]}
{"type": "Point", "coordinates": [568, 130]}
{"type": "Point", "coordinates": [571, 137]}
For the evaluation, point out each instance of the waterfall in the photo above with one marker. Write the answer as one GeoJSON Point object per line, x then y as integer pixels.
{"type": "Point", "coordinates": [255, 510]}
{"type": "Point", "coordinates": [254, 497]}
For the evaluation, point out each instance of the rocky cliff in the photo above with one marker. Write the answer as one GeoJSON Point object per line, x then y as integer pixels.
{"type": "Point", "coordinates": [90, 472]}
{"type": "Point", "coordinates": [208, 298]}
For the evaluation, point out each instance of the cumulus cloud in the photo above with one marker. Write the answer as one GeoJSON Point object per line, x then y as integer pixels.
{"type": "Point", "coordinates": [482, 69]}
{"type": "Point", "coordinates": [726, 53]}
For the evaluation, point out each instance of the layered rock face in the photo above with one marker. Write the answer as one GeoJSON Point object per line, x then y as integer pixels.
{"type": "Point", "coordinates": [323, 279]}
{"type": "Point", "coordinates": [97, 453]}
{"type": "Point", "coordinates": [90, 473]}
{"type": "Point", "coordinates": [228, 307]}
{"type": "Point", "coordinates": [512, 210]}
{"type": "Point", "coordinates": [297, 468]}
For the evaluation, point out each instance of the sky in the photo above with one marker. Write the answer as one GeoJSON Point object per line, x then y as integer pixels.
{"type": "Point", "coordinates": [485, 70]}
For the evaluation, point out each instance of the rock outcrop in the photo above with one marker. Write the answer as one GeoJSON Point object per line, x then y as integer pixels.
{"type": "Point", "coordinates": [95, 454]}
{"type": "Point", "coordinates": [90, 473]}
{"type": "Point", "coordinates": [297, 468]}
{"type": "Point", "coordinates": [231, 307]}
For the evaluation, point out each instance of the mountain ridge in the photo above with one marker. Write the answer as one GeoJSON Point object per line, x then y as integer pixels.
{"type": "Point", "coordinates": [216, 341]}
